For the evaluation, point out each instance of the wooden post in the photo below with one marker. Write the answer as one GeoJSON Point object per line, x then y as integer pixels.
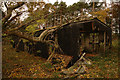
{"type": "Point", "coordinates": [104, 41]}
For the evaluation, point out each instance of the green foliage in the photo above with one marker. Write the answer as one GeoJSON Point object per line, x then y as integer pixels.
{"type": "Point", "coordinates": [47, 65]}
{"type": "Point", "coordinates": [4, 34]}
{"type": "Point", "coordinates": [101, 14]}
{"type": "Point", "coordinates": [97, 5]}
{"type": "Point", "coordinates": [63, 13]}
{"type": "Point", "coordinates": [39, 51]}
{"type": "Point", "coordinates": [12, 41]}
{"type": "Point", "coordinates": [115, 43]}
{"type": "Point", "coordinates": [24, 40]}
{"type": "Point", "coordinates": [31, 28]}
{"type": "Point", "coordinates": [104, 66]}
{"type": "Point", "coordinates": [115, 11]}
{"type": "Point", "coordinates": [41, 21]}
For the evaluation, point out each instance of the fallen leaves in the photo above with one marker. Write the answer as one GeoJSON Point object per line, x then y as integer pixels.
{"type": "Point", "coordinates": [24, 65]}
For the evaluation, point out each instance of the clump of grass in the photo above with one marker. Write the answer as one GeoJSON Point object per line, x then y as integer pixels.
{"type": "Point", "coordinates": [46, 65]}
{"type": "Point", "coordinates": [56, 75]}
{"type": "Point", "coordinates": [105, 65]}
{"type": "Point", "coordinates": [21, 64]}
{"type": "Point", "coordinates": [115, 43]}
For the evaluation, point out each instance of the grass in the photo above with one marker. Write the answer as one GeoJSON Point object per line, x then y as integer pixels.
{"type": "Point", "coordinates": [21, 64]}
{"type": "Point", "coordinates": [25, 65]}
{"type": "Point", "coordinates": [106, 64]}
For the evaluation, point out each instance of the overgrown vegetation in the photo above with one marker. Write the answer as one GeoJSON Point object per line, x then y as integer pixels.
{"type": "Point", "coordinates": [25, 65]}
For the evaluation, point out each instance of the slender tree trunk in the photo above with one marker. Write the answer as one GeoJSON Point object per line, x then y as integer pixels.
{"type": "Point", "coordinates": [82, 14]}
{"type": "Point", "coordinates": [105, 8]}
{"type": "Point", "coordinates": [119, 21]}
{"type": "Point", "coordinates": [105, 4]}
{"type": "Point", "coordinates": [93, 6]}
{"type": "Point", "coordinates": [54, 19]}
{"type": "Point", "coordinates": [60, 17]}
{"type": "Point", "coordinates": [104, 42]}
{"type": "Point", "coordinates": [112, 17]}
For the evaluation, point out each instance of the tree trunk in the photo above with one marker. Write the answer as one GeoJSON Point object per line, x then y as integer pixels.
{"type": "Point", "coordinates": [60, 17]}
{"type": "Point", "coordinates": [23, 35]}
{"type": "Point", "coordinates": [104, 42]}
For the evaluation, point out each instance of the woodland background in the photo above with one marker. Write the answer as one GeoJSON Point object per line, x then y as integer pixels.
{"type": "Point", "coordinates": [39, 15]}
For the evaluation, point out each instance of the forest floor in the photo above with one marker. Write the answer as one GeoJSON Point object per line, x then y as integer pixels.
{"type": "Point", "coordinates": [24, 65]}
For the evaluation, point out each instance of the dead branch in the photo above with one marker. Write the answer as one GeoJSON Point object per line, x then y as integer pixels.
{"type": "Point", "coordinates": [5, 5]}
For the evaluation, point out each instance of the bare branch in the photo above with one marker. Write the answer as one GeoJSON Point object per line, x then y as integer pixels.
{"type": "Point", "coordinates": [5, 3]}
{"type": "Point", "coordinates": [9, 12]}
{"type": "Point", "coordinates": [13, 18]}
{"type": "Point", "coordinates": [19, 4]}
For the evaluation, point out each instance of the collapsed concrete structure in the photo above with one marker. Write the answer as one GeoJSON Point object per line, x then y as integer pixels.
{"type": "Point", "coordinates": [73, 39]}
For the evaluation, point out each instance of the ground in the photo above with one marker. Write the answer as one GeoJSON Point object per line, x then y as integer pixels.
{"type": "Point", "coordinates": [25, 65]}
